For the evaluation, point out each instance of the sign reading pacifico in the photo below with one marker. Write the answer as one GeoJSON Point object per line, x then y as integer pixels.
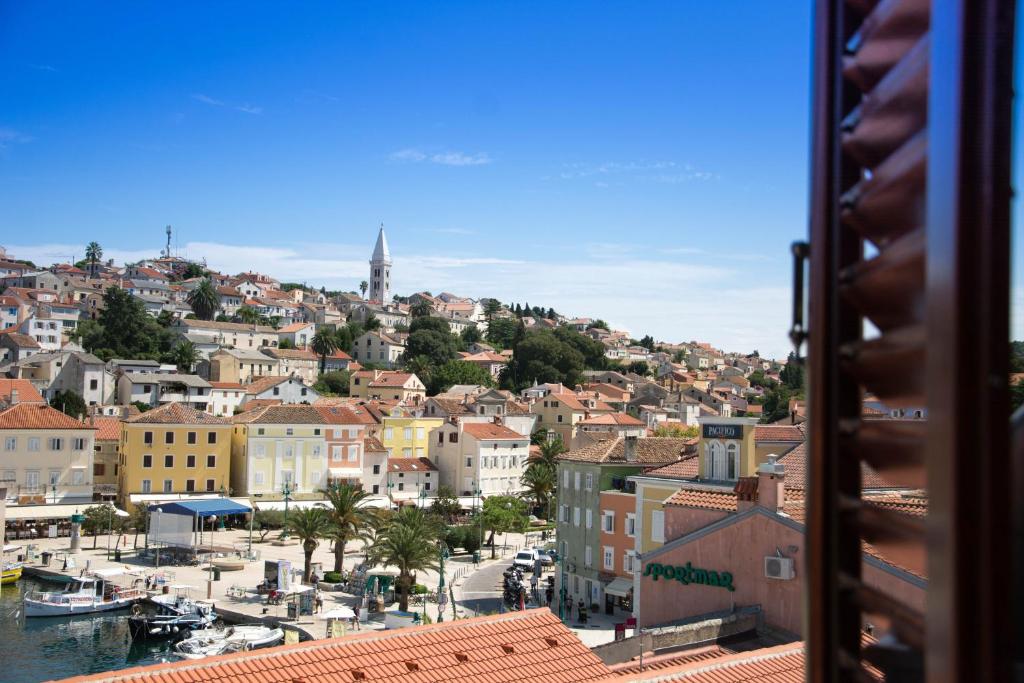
{"type": "Point", "coordinates": [687, 574]}
{"type": "Point", "coordinates": [713, 431]}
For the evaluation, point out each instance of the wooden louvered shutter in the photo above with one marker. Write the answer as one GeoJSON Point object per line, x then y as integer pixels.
{"type": "Point", "coordinates": [910, 231]}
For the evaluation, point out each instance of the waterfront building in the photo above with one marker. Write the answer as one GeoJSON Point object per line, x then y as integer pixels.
{"type": "Point", "coordinates": [105, 459]}
{"type": "Point", "coordinates": [404, 434]}
{"type": "Point", "coordinates": [411, 478]}
{"type": "Point", "coordinates": [276, 447]}
{"type": "Point", "coordinates": [47, 455]}
{"type": "Point", "coordinates": [480, 456]}
{"type": "Point", "coordinates": [173, 449]}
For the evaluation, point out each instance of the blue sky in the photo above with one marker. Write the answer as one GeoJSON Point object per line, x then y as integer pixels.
{"type": "Point", "coordinates": [644, 163]}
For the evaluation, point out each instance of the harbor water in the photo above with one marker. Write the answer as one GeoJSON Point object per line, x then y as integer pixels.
{"type": "Point", "coordinates": [48, 648]}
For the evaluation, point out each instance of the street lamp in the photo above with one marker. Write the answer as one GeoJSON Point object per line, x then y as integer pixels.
{"type": "Point", "coordinates": [442, 597]}
{"type": "Point", "coordinates": [286, 491]}
{"type": "Point", "coordinates": [110, 528]}
{"type": "Point", "coordinates": [209, 582]}
{"type": "Point", "coordinates": [478, 495]}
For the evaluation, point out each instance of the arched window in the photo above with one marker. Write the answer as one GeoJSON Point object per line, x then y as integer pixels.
{"type": "Point", "coordinates": [732, 457]}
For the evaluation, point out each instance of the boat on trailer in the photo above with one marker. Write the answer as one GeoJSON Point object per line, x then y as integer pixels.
{"type": "Point", "coordinates": [94, 591]}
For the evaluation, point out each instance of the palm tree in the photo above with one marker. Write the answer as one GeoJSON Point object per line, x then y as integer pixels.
{"type": "Point", "coordinates": [309, 526]}
{"type": "Point", "coordinates": [204, 300]}
{"type": "Point", "coordinates": [421, 309]}
{"type": "Point", "coordinates": [409, 544]}
{"type": "Point", "coordinates": [349, 517]}
{"type": "Point", "coordinates": [93, 252]}
{"type": "Point", "coordinates": [539, 480]}
{"type": "Point", "coordinates": [185, 355]}
{"type": "Point", "coordinates": [549, 452]}
{"type": "Point", "coordinates": [324, 344]}
{"type": "Point", "coordinates": [248, 315]}
{"type": "Point", "coordinates": [363, 286]}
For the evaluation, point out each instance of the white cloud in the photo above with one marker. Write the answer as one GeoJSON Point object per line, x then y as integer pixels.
{"type": "Point", "coordinates": [249, 109]}
{"type": "Point", "coordinates": [449, 158]}
{"type": "Point", "coordinates": [9, 136]}
{"type": "Point", "coordinates": [43, 67]}
{"type": "Point", "coordinates": [643, 171]}
{"type": "Point", "coordinates": [206, 99]}
{"type": "Point", "coordinates": [214, 102]}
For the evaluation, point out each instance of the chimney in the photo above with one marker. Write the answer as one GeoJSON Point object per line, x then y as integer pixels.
{"type": "Point", "coordinates": [14, 397]}
{"type": "Point", "coordinates": [771, 484]}
{"type": "Point", "coordinates": [629, 448]}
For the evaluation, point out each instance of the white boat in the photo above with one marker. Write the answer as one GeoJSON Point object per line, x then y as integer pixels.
{"type": "Point", "coordinates": [92, 592]}
{"type": "Point", "coordinates": [231, 639]}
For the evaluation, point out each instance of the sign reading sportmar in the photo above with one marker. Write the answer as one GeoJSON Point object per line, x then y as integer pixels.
{"type": "Point", "coordinates": [687, 574]}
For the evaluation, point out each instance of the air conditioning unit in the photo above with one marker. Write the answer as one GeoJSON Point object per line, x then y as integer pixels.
{"type": "Point", "coordinates": [776, 567]}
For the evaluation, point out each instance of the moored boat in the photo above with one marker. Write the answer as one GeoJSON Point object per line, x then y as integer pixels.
{"type": "Point", "coordinates": [95, 591]}
{"type": "Point", "coordinates": [175, 615]}
{"type": "Point", "coordinates": [232, 639]}
{"type": "Point", "coordinates": [10, 569]}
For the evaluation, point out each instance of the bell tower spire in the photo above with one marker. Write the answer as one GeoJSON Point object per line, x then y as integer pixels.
{"type": "Point", "coordinates": [380, 269]}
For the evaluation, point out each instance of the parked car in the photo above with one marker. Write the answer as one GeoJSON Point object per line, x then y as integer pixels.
{"type": "Point", "coordinates": [547, 557]}
{"type": "Point", "coordinates": [526, 558]}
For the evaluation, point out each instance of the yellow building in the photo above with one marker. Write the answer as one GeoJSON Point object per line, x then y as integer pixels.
{"type": "Point", "coordinates": [561, 413]}
{"type": "Point", "coordinates": [276, 446]}
{"type": "Point", "coordinates": [173, 449]}
{"type": "Point", "coordinates": [405, 436]}
{"type": "Point", "coordinates": [385, 385]}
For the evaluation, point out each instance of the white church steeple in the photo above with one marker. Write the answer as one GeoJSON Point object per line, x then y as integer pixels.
{"type": "Point", "coordinates": [380, 270]}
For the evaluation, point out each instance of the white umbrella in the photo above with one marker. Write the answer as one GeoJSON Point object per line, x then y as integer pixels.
{"type": "Point", "coordinates": [338, 613]}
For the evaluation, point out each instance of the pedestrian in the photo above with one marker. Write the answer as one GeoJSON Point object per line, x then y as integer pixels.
{"type": "Point", "coordinates": [315, 580]}
{"type": "Point", "coordinates": [581, 612]}
{"type": "Point", "coordinates": [355, 620]}
{"type": "Point", "coordinates": [319, 602]}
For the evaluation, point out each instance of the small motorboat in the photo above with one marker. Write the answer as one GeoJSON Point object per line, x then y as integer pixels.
{"type": "Point", "coordinates": [10, 569]}
{"type": "Point", "coordinates": [95, 591]}
{"type": "Point", "coordinates": [213, 642]}
{"type": "Point", "coordinates": [175, 615]}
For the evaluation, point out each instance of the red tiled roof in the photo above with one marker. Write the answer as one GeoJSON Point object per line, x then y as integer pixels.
{"type": "Point", "coordinates": [621, 419]}
{"type": "Point", "coordinates": [687, 468]}
{"type": "Point", "coordinates": [778, 433]}
{"type": "Point", "coordinates": [704, 498]}
{"type": "Point", "coordinates": [27, 392]}
{"type": "Point", "coordinates": [37, 416]}
{"type": "Point", "coordinates": [22, 340]}
{"type": "Point", "coordinates": [491, 431]}
{"type": "Point", "coordinates": [795, 463]}
{"type": "Point", "coordinates": [514, 647]}
{"type": "Point", "coordinates": [411, 465]}
{"type": "Point", "coordinates": [372, 444]}
{"type": "Point", "coordinates": [107, 428]}
{"type": "Point", "coordinates": [651, 451]}
{"type": "Point", "coordinates": [227, 385]}
{"type": "Point", "coordinates": [673, 659]}
{"type": "Point", "coordinates": [177, 413]}
{"type": "Point", "coordinates": [294, 327]}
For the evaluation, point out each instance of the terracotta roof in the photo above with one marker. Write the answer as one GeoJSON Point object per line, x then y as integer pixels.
{"type": "Point", "coordinates": [177, 413]}
{"type": "Point", "coordinates": [293, 354]}
{"type": "Point", "coordinates": [572, 401]}
{"type": "Point", "coordinates": [22, 340]}
{"type": "Point", "coordinates": [225, 290]}
{"type": "Point", "coordinates": [411, 465]}
{"type": "Point", "coordinates": [687, 468]}
{"type": "Point", "coordinates": [227, 327]}
{"type": "Point", "coordinates": [391, 379]}
{"type": "Point", "coordinates": [282, 414]}
{"type": "Point", "coordinates": [227, 385]}
{"type": "Point", "coordinates": [704, 498]}
{"type": "Point", "coordinates": [258, 386]}
{"type": "Point", "coordinates": [294, 327]}
{"type": "Point", "coordinates": [27, 392]}
{"type": "Point", "coordinates": [795, 463]}
{"type": "Point", "coordinates": [491, 432]}
{"type": "Point", "coordinates": [518, 646]}
{"type": "Point", "coordinates": [621, 419]}
{"type": "Point", "coordinates": [778, 433]}
{"type": "Point", "coordinates": [653, 451]}
{"type": "Point", "coordinates": [452, 406]}
{"type": "Point", "coordinates": [345, 414]}
{"type": "Point", "coordinates": [257, 403]}
{"type": "Point", "coordinates": [672, 659]}
{"type": "Point", "coordinates": [37, 416]}
{"type": "Point", "coordinates": [372, 444]}
{"type": "Point", "coordinates": [107, 428]}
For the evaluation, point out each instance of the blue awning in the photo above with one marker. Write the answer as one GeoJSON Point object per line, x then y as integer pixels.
{"type": "Point", "coordinates": [202, 508]}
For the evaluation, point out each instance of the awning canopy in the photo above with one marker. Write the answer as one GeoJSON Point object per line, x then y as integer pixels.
{"type": "Point", "coordinates": [203, 508]}
{"type": "Point", "coordinates": [292, 504]}
{"type": "Point", "coordinates": [17, 512]}
{"type": "Point", "coordinates": [620, 587]}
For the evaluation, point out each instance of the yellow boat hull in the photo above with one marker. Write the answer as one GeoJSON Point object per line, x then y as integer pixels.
{"type": "Point", "coordinates": [10, 575]}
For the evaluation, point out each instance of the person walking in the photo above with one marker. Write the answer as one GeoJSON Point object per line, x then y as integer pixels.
{"type": "Point", "coordinates": [355, 620]}
{"type": "Point", "coordinates": [319, 601]}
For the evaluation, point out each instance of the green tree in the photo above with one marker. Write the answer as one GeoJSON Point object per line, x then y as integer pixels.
{"type": "Point", "coordinates": [543, 357]}
{"type": "Point", "coordinates": [599, 325]}
{"type": "Point", "coordinates": [371, 323]}
{"type": "Point", "coordinates": [248, 315]}
{"type": "Point", "coordinates": [792, 374]}
{"type": "Point", "coordinates": [193, 270]}
{"type": "Point", "coordinates": [504, 514]}
{"type": "Point", "coordinates": [647, 342]}
{"type": "Point", "coordinates": [143, 407]}
{"type": "Point", "coordinates": [286, 343]}
{"type": "Point", "coordinates": [324, 344]}
{"type": "Point", "coordinates": [431, 342]}
{"type": "Point", "coordinates": [97, 518]}
{"type": "Point", "coordinates": [309, 525]}
{"type": "Point", "coordinates": [550, 450]}
{"type": "Point", "coordinates": [408, 543]}
{"type": "Point", "coordinates": [676, 431]}
{"type": "Point", "coordinates": [93, 253]}
{"type": "Point", "coordinates": [184, 355]}
{"type": "Point", "coordinates": [343, 336]}
{"type": "Point", "coordinates": [349, 517]}
{"type": "Point", "coordinates": [363, 286]}
{"type": "Point", "coordinates": [540, 480]}
{"type": "Point", "coordinates": [470, 335]}
{"type": "Point", "coordinates": [69, 402]}
{"type": "Point", "coordinates": [591, 349]}
{"type": "Point", "coordinates": [125, 330]}
{"type": "Point", "coordinates": [457, 372]}
{"type": "Point", "coordinates": [139, 521]}
{"type": "Point", "coordinates": [204, 300]}
{"type": "Point", "coordinates": [334, 382]}
{"type": "Point", "coordinates": [501, 332]}
{"type": "Point", "coordinates": [639, 367]}
{"type": "Point", "coordinates": [446, 505]}
{"type": "Point", "coordinates": [421, 309]}
{"type": "Point", "coordinates": [491, 308]}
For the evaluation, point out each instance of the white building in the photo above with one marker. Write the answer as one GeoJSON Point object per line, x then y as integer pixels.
{"type": "Point", "coordinates": [485, 456]}
{"type": "Point", "coordinates": [158, 389]}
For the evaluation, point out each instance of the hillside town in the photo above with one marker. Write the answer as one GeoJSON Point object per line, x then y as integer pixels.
{"type": "Point", "coordinates": [642, 466]}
